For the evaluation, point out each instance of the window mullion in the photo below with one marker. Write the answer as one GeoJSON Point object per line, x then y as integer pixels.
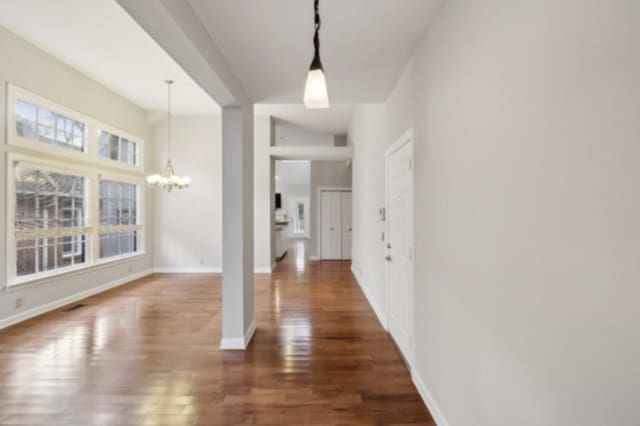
{"type": "Point", "coordinates": [37, 215]}
{"type": "Point", "coordinates": [74, 240]}
{"type": "Point", "coordinates": [94, 211]}
{"type": "Point", "coordinates": [56, 212]}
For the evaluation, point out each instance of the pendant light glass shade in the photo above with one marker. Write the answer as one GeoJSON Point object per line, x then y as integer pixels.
{"type": "Point", "coordinates": [168, 180]}
{"type": "Point", "coordinates": [316, 94]}
{"type": "Point", "coordinates": [315, 91]}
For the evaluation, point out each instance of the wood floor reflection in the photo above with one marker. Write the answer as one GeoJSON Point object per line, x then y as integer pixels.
{"type": "Point", "coordinates": [147, 354]}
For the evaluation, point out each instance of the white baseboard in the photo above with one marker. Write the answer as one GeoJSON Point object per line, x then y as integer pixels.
{"type": "Point", "coordinates": [34, 312]}
{"type": "Point", "coordinates": [437, 415]}
{"type": "Point", "coordinates": [314, 257]}
{"type": "Point", "coordinates": [179, 270]}
{"type": "Point", "coordinates": [238, 343]}
{"type": "Point", "coordinates": [262, 270]}
{"type": "Point", "coordinates": [365, 289]}
{"type": "Point", "coordinates": [203, 270]}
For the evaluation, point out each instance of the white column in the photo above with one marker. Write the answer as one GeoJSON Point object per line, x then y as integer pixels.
{"type": "Point", "coordinates": [238, 321]}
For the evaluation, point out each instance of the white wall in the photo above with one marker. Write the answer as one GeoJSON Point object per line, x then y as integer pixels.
{"type": "Point", "coordinates": [188, 223]}
{"type": "Point", "coordinates": [189, 239]}
{"type": "Point", "coordinates": [527, 206]}
{"type": "Point", "coordinates": [290, 135]}
{"type": "Point", "coordinates": [369, 137]}
{"type": "Point", "coordinates": [325, 174]}
{"type": "Point", "coordinates": [30, 68]}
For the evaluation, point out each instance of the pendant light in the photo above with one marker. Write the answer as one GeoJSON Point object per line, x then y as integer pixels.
{"type": "Point", "coordinates": [168, 180]}
{"type": "Point", "coordinates": [316, 95]}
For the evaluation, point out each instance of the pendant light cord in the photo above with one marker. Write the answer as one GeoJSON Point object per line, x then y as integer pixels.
{"type": "Point", "coordinates": [316, 64]}
{"type": "Point", "coordinates": [318, 24]}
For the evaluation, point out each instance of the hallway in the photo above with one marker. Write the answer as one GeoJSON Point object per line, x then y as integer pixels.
{"type": "Point", "coordinates": [147, 354]}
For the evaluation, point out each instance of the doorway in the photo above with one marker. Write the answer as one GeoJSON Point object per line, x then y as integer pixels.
{"type": "Point", "coordinates": [399, 189]}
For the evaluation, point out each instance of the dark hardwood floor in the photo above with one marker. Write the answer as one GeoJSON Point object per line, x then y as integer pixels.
{"type": "Point", "coordinates": [147, 353]}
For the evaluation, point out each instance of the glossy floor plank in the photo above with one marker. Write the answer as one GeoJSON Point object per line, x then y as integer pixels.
{"type": "Point", "coordinates": [147, 354]}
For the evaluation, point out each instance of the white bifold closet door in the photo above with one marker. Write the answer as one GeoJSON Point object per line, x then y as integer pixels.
{"type": "Point", "coordinates": [331, 224]}
{"type": "Point", "coordinates": [335, 224]}
{"type": "Point", "coordinates": [346, 225]}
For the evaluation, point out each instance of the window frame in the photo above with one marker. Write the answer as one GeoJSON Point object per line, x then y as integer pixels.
{"type": "Point", "coordinates": [139, 166]}
{"type": "Point", "coordinates": [74, 239]}
{"type": "Point", "coordinates": [14, 94]}
{"type": "Point", "coordinates": [140, 215]}
{"type": "Point", "coordinates": [87, 163]}
{"type": "Point", "coordinates": [91, 153]}
{"type": "Point", "coordinates": [15, 160]}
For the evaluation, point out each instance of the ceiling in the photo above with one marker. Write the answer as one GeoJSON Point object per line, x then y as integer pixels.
{"type": "Point", "coordinates": [365, 44]}
{"type": "Point", "coordinates": [102, 41]}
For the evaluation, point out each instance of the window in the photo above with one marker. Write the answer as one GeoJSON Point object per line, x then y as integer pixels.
{"type": "Point", "coordinates": [41, 124]}
{"type": "Point", "coordinates": [73, 212]}
{"type": "Point", "coordinates": [72, 246]}
{"type": "Point", "coordinates": [298, 209]}
{"type": "Point", "coordinates": [119, 222]}
{"type": "Point", "coordinates": [42, 228]}
{"type": "Point", "coordinates": [117, 148]}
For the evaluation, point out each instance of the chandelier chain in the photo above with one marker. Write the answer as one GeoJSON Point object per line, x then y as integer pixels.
{"type": "Point", "coordinates": [169, 83]}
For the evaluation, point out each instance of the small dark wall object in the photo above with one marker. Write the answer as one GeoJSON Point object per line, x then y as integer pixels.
{"type": "Point", "coordinates": [74, 307]}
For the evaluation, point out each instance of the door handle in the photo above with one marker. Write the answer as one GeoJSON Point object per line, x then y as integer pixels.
{"type": "Point", "coordinates": [387, 258]}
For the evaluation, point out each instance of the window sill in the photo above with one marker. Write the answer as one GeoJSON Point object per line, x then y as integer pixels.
{"type": "Point", "coordinates": [27, 282]}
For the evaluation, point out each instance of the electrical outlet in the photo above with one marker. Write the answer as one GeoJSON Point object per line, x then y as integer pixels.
{"type": "Point", "coordinates": [201, 261]}
{"type": "Point", "coordinates": [19, 303]}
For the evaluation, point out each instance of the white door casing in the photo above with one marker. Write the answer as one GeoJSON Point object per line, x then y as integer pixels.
{"type": "Point", "coordinates": [346, 225]}
{"type": "Point", "coordinates": [399, 190]}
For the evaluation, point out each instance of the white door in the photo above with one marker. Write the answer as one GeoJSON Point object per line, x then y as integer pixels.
{"type": "Point", "coordinates": [346, 225]}
{"type": "Point", "coordinates": [399, 240]}
{"type": "Point", "coordinates": [330, 225]}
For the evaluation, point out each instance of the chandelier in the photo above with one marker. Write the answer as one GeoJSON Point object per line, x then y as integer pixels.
{"type": "Point", "coordinates": [168, 180]}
